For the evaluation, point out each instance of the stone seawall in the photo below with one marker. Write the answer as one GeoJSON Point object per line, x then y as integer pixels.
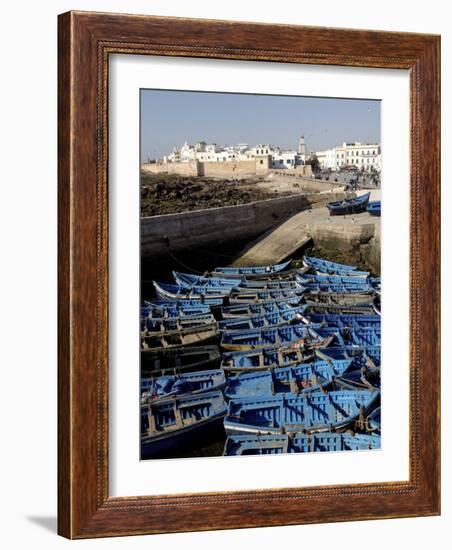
{"type": "Point", "coordinates": [166, 233]}
{"type": "Point", "coordinates": [359, 240]}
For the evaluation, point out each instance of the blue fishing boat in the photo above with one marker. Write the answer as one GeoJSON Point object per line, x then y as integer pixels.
{"type": "Point", "coordinates": [161, 309]}
{"type": "Point", "coordinates": [349, 206]}
{"type": "Point", "coordinates": [345, 321]}
{"type": "Point", "coordinates": [189, 280]}
{"type": "Point", "coordinates": [332, 268]}
{"type": "Point", "coordinates": [290, 284]}
{"type": "Point", "coordinates": [196, 335]}
{"type": "Point", "coordinates": [242, 445]}
{"type": "Point", "coordinates": [336, 309]}
{"type": "Point", "coordinates": [292, 315]}
{"type": "Point", "coordinates": [255, 270]}
{"type": "Point", "coordinates": [269, 358]}
{"type": "Point", "coordinates": [260, 308]}
{"type": "Point", "coordinates": [256, 295]}
{"type": "Point", "coordinates": [151, 325]}
{"type": "Point", "coordinates": [268, 337]}
{"type": "Point", "coordinates": [296, 379]}
{"type": "Point", "coordinates": [308, 412]}
{"type": "Point", "coordinates": [331, 279]}
{"type": "Point", "coordinates": [355, 336]}
{"type": "Point", "coordinates": [364, 356]}
{"type": "Point", "coordinates": [180, 422]}
{"type": "Point", "coordinates": [340, 299]}
{"type": "Point", "coordinates": [286, 275]}
{"type": "Point", "coordinates": [169, 292]}
{"type": "Point", "coordinates": [155, 390]}
{"type": "Point", "coordinates": [338, 288]}
{"type": "Point", "coordinates": [374, 208]}
{"type": "Point", "coordinates": [177, 360]}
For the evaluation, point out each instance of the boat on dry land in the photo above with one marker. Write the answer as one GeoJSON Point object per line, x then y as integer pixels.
{"type": "Point", "coordinates": [349, 206]}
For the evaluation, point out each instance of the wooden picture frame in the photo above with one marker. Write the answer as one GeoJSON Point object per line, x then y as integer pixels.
{"type": "Point", "coordinates": [85, 42]}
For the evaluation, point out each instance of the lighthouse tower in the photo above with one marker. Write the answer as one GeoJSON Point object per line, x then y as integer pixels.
{"type": "Point", "coordinates": [302, 149]}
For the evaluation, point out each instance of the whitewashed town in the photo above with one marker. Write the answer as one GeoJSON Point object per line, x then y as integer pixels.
{"type": "Point", "coordinates": [365, 156]}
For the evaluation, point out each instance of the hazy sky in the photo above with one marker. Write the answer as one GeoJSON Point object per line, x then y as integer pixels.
{"type": "Point", "coordinates": [169, 118]}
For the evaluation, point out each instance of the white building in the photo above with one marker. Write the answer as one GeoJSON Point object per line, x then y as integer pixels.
{"type": "Point", "coordinates": [364, 156]}
{"type": "Point", "coordinates": [280, 159]}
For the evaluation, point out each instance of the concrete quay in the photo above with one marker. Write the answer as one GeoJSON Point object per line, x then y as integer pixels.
{"type": "Point", "coordinates": [358, 233]}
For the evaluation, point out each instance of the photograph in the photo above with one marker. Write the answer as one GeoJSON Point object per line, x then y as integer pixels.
{"type": "Point", "coordinates": [260, 307]}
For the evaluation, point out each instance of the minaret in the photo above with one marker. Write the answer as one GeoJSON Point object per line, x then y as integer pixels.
{"type": "Point", "coordinates": [302, 147]}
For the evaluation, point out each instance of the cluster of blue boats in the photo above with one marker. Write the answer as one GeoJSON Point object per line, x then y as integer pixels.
{"type": "Point", "coordinates": [278, 358]}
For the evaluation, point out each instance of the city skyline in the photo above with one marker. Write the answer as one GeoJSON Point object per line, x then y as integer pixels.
{"type": "Point", "coordinates": [169, 118]}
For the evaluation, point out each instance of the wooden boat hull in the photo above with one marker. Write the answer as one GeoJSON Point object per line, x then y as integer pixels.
{"type": "Point", "coordinates": [303, 378]}
{"type": "Point", "coordinates": [184, 440]}
{"type": "Point", "coordinates": [337, 309]}
{"type": "Point", "coordinates": [159, 327]}
{"type": "Point", "coordinates": [180, 308]}
{"type": "Point", "coordinates": [325, 267]}
{"type": "Point", "coordinates": [364, 356]}
{"type": "Point", "coordinates": [306, 413]}
{"type": "Point", "coordinates": [175, 423]}
{"type": "Point", "coordinates": [362, 337]}
{"type": "Point", "coordinates": [287, 274]}
{"type": "Point", "coordinates": [188, 280]}
{"type": "Point", "coordinates": [178, 360]}
{"type": "Point", "coordinates": [349, 206]}
{"type": "Point", "coordinates": [262, 338]}
{"type": "Point", "coordinates": [178, 338]}
{"type": "Point", "coordinates": [343, 320]}
{"type": "Point", "coordinates": [269, 320]}
{"type": "Point", "coordinates": [329, 298]}
{"type": "Point", "coordinates": [332, 279]}
{"type": "Point", "coordinates": [374, 208]}
{"type": "Point", "coordinates": [158, 389]}
{"type": "Point", "coordinates": [267, 358]}
{"type": "Point", "coordinates": [255, 270]}
{"type": "Point", "coordinates": [171, 293]}
{"type": "Point", "coordinates": [260, 308]}
{"type": "Point", "coordinates": [241, 445]}
{"type": "Point", "coordinates": [256, 295]}
{"type": "Point", "coordinates": [340, 288]}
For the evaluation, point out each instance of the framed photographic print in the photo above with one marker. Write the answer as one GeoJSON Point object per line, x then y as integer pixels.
{"type": "Point", "coordinates": [248, 275]}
